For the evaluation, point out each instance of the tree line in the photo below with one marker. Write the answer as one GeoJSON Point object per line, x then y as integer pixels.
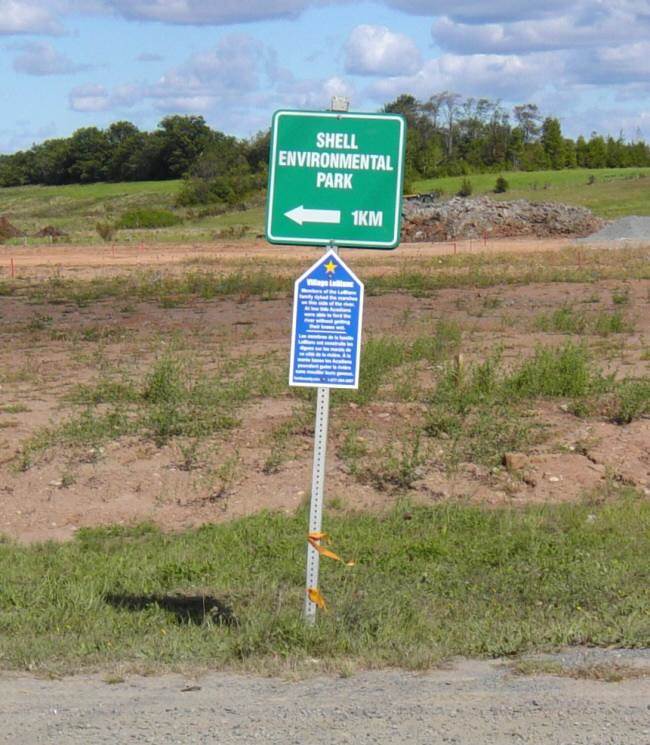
{"type": "Point", "coordinates": [447, 135]}
{"type": "Point", "coordinates": [452, 136]}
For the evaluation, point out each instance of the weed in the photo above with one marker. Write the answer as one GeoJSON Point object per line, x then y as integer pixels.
{"type": "Point", "coordinates": [225, 476]}
{"type": "Point", "coordinates": [39, 322]}
{"type": "Point", "coordinates": [621, 296]}
{"type": "Point", "coordinates": [610, 323]}
{"type": "Point", "coordinates": [478, 410]}
{"type": "Point", "coordinates": [563, 320]}
{"type": "Point", "coordinates": [281, 437]}
{"type": "Point", "coordinates": [607, 672]}
{"type": "Point", "coordinates": [466, 188]}
{"type": "Point", "coordinates": [399, 466]}
{"type": "Point", "coordinates": [190, 451]}
{"type": "Point", "coordinates": [352, 449]}
{"type": "Point", "coordinates": [14, 409]}
{"type": "Point", "coordinates": [630, 401]}
{"type": "Point", "coordinates": [173, 401]}
{"type": "Point", "coordinates": [381, 355]}
{"type": "Point", "coordinates": [105, 230]}
{"type": "Point", "coordinates": [67, 479]}
{"type": "Point", "coordinates": [562, 372]}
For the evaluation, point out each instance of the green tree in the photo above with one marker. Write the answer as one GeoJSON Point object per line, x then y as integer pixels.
{"type": "Point", "coordinates": [89, 152]}
{"type": "Point", "coordinates": [596, 152]}
{"type": "Point", "coordinates": [183, 139]}
{"type": "Point", "coordinates": [553, 143]}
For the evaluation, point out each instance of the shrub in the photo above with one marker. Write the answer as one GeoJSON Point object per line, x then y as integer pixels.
{"type": "Point", "coordinates": [466, 188]}
{"type": "Point", "coordinates": [147, 219]}
{"type": "Point", "coordinates": [106, 230]}
{"type": "Point", "coordinates": [501, 186]}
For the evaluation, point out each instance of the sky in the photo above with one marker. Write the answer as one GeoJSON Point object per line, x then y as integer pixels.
{"type": "Point", "coordinates": [66, 64]}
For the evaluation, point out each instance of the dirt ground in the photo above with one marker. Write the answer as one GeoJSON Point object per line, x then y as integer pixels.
{"type": "Point", "coordinates": [91, 261]}
{"type": "Point", "coordinates": [469, 703]}
{"type": "Point", "coordinates": [47, 349]}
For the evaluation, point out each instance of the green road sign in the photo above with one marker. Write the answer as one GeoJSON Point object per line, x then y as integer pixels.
{"type": "Point", "coordinates": [336, 177]}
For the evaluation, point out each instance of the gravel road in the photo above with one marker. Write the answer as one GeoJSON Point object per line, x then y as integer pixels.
{"type": "Point", "coordinates": [471, 703]}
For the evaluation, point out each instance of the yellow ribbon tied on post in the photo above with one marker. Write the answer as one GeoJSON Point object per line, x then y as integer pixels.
{"type": "Point", "coordinates": [317, 538]}
{"type": "Point", "coordinates": [316, 598]}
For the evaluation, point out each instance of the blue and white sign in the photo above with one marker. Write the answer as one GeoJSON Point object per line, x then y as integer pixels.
{"type": "Point", "coordinates": [326, 334]}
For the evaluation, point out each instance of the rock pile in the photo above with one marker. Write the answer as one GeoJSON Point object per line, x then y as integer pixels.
{"type": "Point", "coordinates": [461, 218]}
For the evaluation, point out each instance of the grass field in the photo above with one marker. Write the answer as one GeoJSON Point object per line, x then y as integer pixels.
{"type": "Point", "coordinates": [77, 209]}
{"type": "Point", "coordinates": [428, 584]}
{"type": "Point", "coordinates": [614, 192]}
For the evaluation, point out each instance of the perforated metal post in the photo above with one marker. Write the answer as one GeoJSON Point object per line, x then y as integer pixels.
{"type": "Point", "coordinates": [317, 489]}
{"type": "Point", "coordinates": [317, 495]}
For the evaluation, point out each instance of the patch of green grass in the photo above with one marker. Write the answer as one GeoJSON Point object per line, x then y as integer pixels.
{"type": "Point", "coordinates": [421, 278]}
{"type": "Point", "coordinates": [451, 580]}
{"type": "Point", "coordinates": [281, 436]}
{"type": "Point", "coordinates": [479, 412]}
{"type": "Point", "coordinates": [173, 400]}
{"type": "Point", "coordinates": [147, 218]}
{"type": "Point", "coordinates": [383, 354]}
{"type": "Point", "coordinates": [621, 296]}
{"type": "Point", "coordinates": [399, 465]}
{"type": "Point", "coordinates": [630, 401]}
{"type": "Point", "coordinates": [567, 320]}
{"type": "Point", "coordinates": [564, 320]}
{"type": "Point", "coordinates": [611, 323]}
{"type": "Point", "coordinates": [615, 192]}
{"type": "Point", "coordinates": [14, 409]}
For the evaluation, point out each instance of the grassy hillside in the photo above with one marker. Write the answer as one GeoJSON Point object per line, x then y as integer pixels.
{"type": "Point", "coordinates": [614, 192]}
{"type": "Point", "coordinates": [77, 209]}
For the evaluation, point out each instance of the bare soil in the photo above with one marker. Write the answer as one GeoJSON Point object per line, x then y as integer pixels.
{"type": "Point", "coordinates": [132, 479]}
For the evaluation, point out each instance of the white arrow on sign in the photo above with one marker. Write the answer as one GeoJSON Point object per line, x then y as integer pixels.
{"type": "Point", "coordinates": [301, 215]}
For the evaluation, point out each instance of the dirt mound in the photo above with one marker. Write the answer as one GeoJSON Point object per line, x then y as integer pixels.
{"type": "Point", "coordinates": [7, 230]}
{"type": "Point", "coordinates": [51, 231]}
{"type": "Point", "coordinates": [474, 218]}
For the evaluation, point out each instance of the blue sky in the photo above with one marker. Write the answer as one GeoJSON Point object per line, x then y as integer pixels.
{"type": "Point", "coordinates": [65, 64]}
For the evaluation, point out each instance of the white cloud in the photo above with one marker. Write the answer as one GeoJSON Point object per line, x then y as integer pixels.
{"type": "Point", "coordinates": [41, 58]}
{"type": "Point", "coordinates": [578, 26]}
{"type": "Point", "coordinates": [502, 76]}
{"type": "Point", "coordinates": [213, 12]}
{"type": "Point", "coordinates": [620, 65]}
{"type": "Point", "coordinates": [480, 11]}
{"type": "Point", "coordinates": [235, 85]}
{"type": "Point", "coordinates": [376, 50]}
{"type": "Point", "coordinates": [25, 17]}
{"type": "Point", "coordinates": [149, 57]}
{"type": "Point", "coordinates": [89, 97]}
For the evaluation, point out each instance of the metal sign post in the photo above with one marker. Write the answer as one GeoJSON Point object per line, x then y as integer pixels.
{"type": "Point", "coordinates": [317, 489]}
{"type": "Point", "coordinates": [325, 353]}
{"type": "Point", "coordinates": [335, 179]}
{"type": "Point", "coordinates": [317, 495]}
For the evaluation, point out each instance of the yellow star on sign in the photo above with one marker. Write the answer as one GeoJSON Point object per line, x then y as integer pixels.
{"type": "Point", "coordinates": [330, 267]}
